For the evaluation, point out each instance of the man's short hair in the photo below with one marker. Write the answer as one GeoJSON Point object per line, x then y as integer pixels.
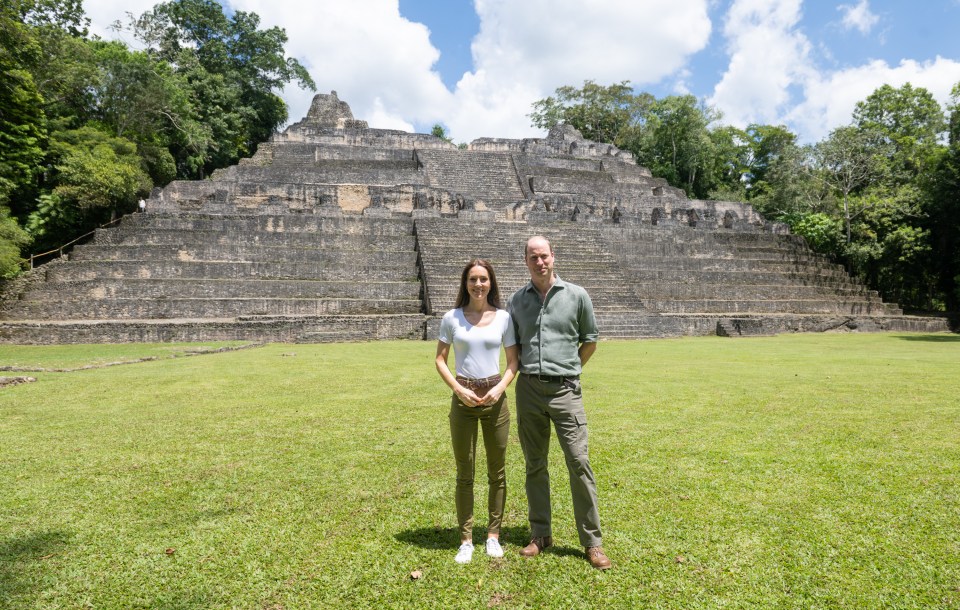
{"type": "Point", "coordinates": [526, 246]}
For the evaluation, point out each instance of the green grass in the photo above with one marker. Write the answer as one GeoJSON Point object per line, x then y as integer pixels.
{"type": "Point", "coordinates": [800, 471]}
{"type": "Point", "coordinates": [40, 357]}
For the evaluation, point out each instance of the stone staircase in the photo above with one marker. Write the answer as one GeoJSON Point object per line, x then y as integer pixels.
{"type": "Point", "coordinates": [447, 244]}
{"type": "Point", "coordinates": [197, 277]}
{"type": "Point", "coordinates": [480, 175]}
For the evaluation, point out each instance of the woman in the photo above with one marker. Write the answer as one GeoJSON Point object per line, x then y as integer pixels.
{"type": "Point", "coordinates": [476, 328]}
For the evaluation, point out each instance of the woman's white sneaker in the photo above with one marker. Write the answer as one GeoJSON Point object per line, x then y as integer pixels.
{"type": "Point", "coordinates": [493, 548]}
{"type": "Point", "coordinates": [464, 553]}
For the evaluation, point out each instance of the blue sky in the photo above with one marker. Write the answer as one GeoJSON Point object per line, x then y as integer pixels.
{"type": "Point", "coordinates": [477, 66]}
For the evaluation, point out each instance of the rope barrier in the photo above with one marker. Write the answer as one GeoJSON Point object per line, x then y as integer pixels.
{"type": "Point", "coordinates": [28, 263]}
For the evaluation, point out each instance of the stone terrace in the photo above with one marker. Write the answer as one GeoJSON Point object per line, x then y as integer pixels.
{"type": "Point", "coordinates": [656, 282]}
{"type": "Point", "coordinates": [199, 277]}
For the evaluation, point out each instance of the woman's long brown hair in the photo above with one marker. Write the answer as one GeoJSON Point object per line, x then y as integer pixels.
{"type": "Point", "coordinates": [463, 296]}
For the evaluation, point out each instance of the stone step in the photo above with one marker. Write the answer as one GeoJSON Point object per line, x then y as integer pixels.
{"type": "Point", "coordinates": [478, 174]}
{"type": "Point", "coordinates": [225, 288]}
{"type": "Point", "coordinates": [194, 238]}
{"type": "Point", "coordinates": [519, 274]}
{"type": "Point", "coordinates": [277, 329]}
{"type": "Point", "coordinates": [374, 267]}
{"type": "Point", "coordinates": [700, 290]}
{"type": "Point", "coordinates": [252, 177]}
{"type": "Point", "coordinates": [699, 239]}
{"type": "Point", "coordinates": [658, 256]}
{"type": "Point", "coordinates": [231, 253]}
{"type": "Point", "coordinates": [739, 277]}
{"type": "Point", "coordinates": [252, 224]}
{"type": "Point", "coordinates": [641, 250]}
{"type": "Point", "coordinates": [138, 308]}
{"type": "Point", "coordinates": [730, 264]}
{"type": "Point", "coordinates": [743, 327]}
{"type": "Point", "coordinates": [445, 301]}
{"type": "Point", "coordinates": [814, 306]}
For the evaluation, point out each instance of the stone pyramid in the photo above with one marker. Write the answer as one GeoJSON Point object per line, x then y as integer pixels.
{"type": "Point", "coordinates": [335, 231]}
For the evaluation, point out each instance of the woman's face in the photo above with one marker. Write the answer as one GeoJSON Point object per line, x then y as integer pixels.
{"type": "Point", "coordinates": [478, 283]}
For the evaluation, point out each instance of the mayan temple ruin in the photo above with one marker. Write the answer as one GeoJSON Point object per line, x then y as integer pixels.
{"type": "Point", "coordinates": [336, 231]}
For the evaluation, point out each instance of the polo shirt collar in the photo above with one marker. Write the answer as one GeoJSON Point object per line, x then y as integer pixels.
{"type": "Point", "coordinates": [557, 284]}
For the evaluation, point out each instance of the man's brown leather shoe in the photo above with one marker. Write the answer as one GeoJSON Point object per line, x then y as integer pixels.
{"type": "Point", "coordinates": [598, 559]}
{"type": "Point", "coordinates": [536, 546]}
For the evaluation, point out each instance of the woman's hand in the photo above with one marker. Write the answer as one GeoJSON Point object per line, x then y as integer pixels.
{"type": "Point", "coordinates": [468, 396]}
{"type": "Point", "coordinates": [493, 394]}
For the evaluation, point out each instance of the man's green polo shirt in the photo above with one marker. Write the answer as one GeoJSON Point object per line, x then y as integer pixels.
{"type": "Point", "coordinates": [550, 333]}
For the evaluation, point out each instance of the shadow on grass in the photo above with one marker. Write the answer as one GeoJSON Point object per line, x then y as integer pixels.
{"type": "Point", "coordinates": [449, 537]}
{"type": "Point", "coordinates": [18, 553]}
{"type": "Point", "coordinates": [932, 338]}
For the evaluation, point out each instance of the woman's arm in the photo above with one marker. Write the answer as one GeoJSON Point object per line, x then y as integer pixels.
{"type": "Point", "coordinates": [466, 395]}
{"type": "Point", "coordinates": [513, 363]}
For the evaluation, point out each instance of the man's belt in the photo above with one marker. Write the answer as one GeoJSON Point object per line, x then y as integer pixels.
{"type": "Point", "coordinates": [551, 378]}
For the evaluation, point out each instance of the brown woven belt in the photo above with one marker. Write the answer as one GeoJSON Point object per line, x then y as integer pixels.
{"type": "Point", "coordinates": [477, 384]}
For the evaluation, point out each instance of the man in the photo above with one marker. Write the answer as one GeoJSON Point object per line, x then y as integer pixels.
{"type": "Point", "coordinates": [557, 333]}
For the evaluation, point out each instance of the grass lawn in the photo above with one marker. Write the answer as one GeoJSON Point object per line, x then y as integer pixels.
{"type": "Point", "coordinates": [799, 471]}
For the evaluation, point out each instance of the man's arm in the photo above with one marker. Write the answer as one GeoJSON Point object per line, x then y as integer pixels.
{"type": "Point", "coordinates": [586, 350]}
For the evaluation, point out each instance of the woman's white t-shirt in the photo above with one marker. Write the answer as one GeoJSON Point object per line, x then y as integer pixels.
{"type": "Point", "coordinates": [477, 348]}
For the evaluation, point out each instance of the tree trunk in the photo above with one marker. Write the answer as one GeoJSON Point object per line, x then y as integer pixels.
{"type": "Point", "coordinates": [846, 216]}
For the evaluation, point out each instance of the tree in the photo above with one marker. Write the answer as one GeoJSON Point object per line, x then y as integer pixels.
{"type": "Point", "coordinates": [671, 136]}
{"type": "Point", "coordinates": [600, 113]}
{"type": "Point", "coordinates": [439, 131]}
{"type": "Point", "coordinates": [22, 129]}
{"type": "Point", "coordinates": [906, 122]}
{"type": "Point", "coordinates": [224, 59]}
{"type": "Point", "coordinates": [676, 144]}
{"type": "Point", "coordinates": [792, 187]}
{"type": "Point", "coordinates": [766, 145]}
{"type": "Point", "coordinates": [12, 240]}
{"type": "Point", "coordinates": [846, 162]}
{"type": "Point", "coordinates": [892, 244]}
{"type": "Point", "coordinates": [139, 98]}
{"type": "Point", "coordinates": [97, 176]}
{"type": "Point", "coordinates": [943, 220]}
{"type": "Point", "coordinates": [823, 232]}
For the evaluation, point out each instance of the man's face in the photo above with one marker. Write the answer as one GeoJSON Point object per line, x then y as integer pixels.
{"type": "Point", "coordinates": [539, 259]}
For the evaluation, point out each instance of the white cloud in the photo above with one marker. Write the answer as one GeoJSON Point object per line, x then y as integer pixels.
{"type": "Point", "coordinates": [768, 57]}
{"type": "Point", "coordinates": [773, 78]}
{"type": "Point", "coordinates": [103, 13]}
{"type": "Point", "coordinates": [858, 17]}
{"type": "Point", "coordinates": [525, 50]}
{"type": "Point", "coordinates": [831, 98]}
{"type": "Point", "coordinates": [377, 61]}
